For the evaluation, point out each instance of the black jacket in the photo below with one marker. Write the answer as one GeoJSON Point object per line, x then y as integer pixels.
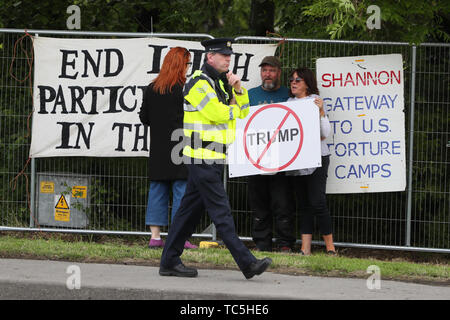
{"type": "Point", "coordinates": [164, 114]}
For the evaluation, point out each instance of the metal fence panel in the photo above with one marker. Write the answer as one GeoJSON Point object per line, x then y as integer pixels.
{"type": "Point", "coordinates": [418, 217]}
{"type": "Point", "coordinates": [430, 214]}
{"type": "Point", "coordinates": [119, 186]}
{"type": "Point", "coordinates": [384, 219]}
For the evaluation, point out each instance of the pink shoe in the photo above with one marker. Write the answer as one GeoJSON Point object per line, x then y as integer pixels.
{"type": "Point", "coordinates": [154, 244]}
{"type": "Point", "coordinates": [188, 245]}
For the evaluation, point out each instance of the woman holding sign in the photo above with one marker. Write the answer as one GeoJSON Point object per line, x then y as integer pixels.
{"type": "Point", "coordinates": [310, 184]}
{"type": "Point", "coordinates": [162, 110]}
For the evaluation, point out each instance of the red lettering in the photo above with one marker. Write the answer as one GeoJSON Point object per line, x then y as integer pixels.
{"type": "Point", "coordinates": [394, 77]}
{"type": "Point", "coordinates": [349, 76]}
{"type": "Point", "coordinates": [359, 77]}
{"type": "Point", "coordinates": [340, 79]}
{"type": "Point", "coordinates": [380, 77]}
{"type": "Point", "coordinates": [327, 81]}
{"type": "Point", "coordinates": [369, 76]}
{"type": "Point", "coordinates": [383, 77]}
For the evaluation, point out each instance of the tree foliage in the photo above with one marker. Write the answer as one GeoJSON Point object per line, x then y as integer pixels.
{"type": "Point", "coordinates": [222, 17]}
{"type": "Point", "coordinates": [411, 21]}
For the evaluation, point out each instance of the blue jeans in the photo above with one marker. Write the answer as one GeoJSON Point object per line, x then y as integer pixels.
{"type": "Point", "coordinates": [158, 201]}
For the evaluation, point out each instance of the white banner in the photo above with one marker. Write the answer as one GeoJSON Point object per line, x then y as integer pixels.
{"type": "Point", "coordinates": [88, 92]}
{"type": "Point", "coordinates": [276, 137]}
{"type": "Point", "coordinates": [364, 100]}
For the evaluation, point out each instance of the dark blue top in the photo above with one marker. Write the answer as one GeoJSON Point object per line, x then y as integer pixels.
{"type": "Point", "coordinates": [259, 96]}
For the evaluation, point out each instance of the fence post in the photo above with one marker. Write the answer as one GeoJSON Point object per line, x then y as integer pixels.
{"type": "Point", "coordinates": [33, 180]}
{"type": "Point", "coordinates": [411, 145]}
{"type": "Point", "coordinates": [32, 192]}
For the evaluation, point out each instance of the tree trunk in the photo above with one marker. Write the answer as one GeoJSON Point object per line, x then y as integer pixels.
{"type": "Point", "coordinates": [262, 17]}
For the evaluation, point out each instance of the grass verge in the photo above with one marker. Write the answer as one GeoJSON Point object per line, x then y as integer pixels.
{"type": "Point", "coordinates": [79, 249]}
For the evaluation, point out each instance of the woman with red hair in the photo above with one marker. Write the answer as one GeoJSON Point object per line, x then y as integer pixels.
{"type": "Point", "coordinates": [162, 110]}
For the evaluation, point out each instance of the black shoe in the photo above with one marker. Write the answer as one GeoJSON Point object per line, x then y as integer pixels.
{"type": "Point", "coordinates": [256, 268]}
{"type": "Point", "coordinates": [178, 271]}
{"type": "Point", "coordinates": [262, 247]}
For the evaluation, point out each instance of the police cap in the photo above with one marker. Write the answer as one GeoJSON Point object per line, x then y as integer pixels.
{"type": "Point", "coordinates": [219, 45]}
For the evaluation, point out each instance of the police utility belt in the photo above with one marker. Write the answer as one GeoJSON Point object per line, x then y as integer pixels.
{"type": "Point", "coordinates": [196, 142]}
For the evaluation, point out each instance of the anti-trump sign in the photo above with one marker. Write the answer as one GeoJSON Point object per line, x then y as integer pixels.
{"type": "Point", "coordinates": [88, 92]}
{"type": "Point", "coordinates": [364, 100]}
{"type": "Point", "coordinates": [276, 137]}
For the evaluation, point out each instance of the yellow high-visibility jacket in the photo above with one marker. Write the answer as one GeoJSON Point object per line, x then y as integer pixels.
{"type": "Point", "coordinates": [208, 115]}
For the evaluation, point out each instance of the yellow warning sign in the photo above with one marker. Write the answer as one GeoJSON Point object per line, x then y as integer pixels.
{"type": "Point", "coordinates": [62, 210]}
{"type": "Point", "coordinates": [79, 192]}
{"type": "Point", "coordinates": [62, 203]}
{"type": "Point", "coordinates": [47, 187]}
{"type": "Point", "coordinates": [62, 215]}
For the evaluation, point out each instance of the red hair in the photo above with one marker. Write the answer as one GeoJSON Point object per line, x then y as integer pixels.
{"type": "Point", "coordinates": [172, 70]}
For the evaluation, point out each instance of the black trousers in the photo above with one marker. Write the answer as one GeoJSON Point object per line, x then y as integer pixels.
{"type": "Point", "coordinates": [204, 190]}
{"type": "Point", "coordinates": [271, 198]}
{"type": "Point", "coordinates": [310, 192]}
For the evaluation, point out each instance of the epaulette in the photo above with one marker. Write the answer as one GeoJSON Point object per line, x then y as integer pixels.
{"type": "Point", "coordinates": [197, 73]}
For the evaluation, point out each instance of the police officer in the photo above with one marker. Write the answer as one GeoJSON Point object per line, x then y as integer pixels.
{"type": "Point", "coordinates": [214, 99]}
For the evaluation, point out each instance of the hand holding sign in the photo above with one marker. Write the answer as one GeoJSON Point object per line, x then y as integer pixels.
{"type": "Point", "coordinates": [319, 102]}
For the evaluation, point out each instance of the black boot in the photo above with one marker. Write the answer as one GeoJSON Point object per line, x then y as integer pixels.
{"type": "Point", "coordinates": [256, 268]}
{"type": "Point", "coordinates": [178, 271]}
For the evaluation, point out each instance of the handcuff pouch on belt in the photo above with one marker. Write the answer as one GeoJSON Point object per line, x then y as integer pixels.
{"type": "Point", "coordinates": [196, 142]}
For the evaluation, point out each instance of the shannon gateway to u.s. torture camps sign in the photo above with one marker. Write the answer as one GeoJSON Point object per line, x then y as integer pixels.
{"type": "Point", "coordinates": [364, 100]}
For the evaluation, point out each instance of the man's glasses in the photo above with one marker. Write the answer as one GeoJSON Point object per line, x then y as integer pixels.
{"type": "Point", "coordinates": [297, 80]}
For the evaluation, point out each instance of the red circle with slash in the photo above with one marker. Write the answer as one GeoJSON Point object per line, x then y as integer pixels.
{"type": "Point", "coordinates": [289, 112]}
